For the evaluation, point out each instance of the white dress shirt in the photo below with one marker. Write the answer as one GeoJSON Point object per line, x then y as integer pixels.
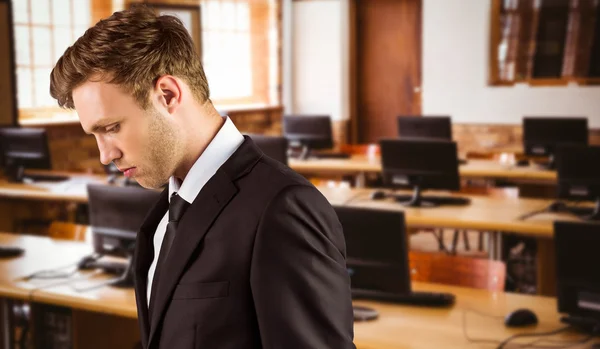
{"type": "Point", "coordinates": [223, 145]}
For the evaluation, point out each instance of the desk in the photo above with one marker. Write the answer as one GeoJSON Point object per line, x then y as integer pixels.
{"type": "Point", "coordinates": [72, 190]}
{"type": "Point", "coordinates": [359, 165]}
{"type": "Point", "coordinates": [494, 215]}
{"type": "Point", "coordinates": [398, 326]}
{"type": "Point", "coordinates": [484, 213]}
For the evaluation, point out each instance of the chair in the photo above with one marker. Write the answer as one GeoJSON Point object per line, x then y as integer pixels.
{"type": "Point", "coordinates": [457, 270]}
{"type": "Point", "coordinates": [68, 231]}
{"type": "Point", "coordinates": [371, 150]}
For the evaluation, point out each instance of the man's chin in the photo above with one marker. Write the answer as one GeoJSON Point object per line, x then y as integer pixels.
{"type": "Point", "coordinates": [150, 184]}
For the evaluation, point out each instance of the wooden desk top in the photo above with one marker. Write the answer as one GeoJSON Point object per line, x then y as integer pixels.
{"type": "Point", "coordinates": [484, 213]}
{"type": "Point", "coordinates": [472, 169]}
{"type": "Point", "coordinates": [397, 327]}
{"type": "Point", "coordinates": [72, 190]}
{"type": "Point", "coordinates": [41, 253]}
{"type": "Point", "coordinates": [481, 311]}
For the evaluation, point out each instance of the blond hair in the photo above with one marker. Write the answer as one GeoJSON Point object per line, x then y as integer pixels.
{"type": "Point", "coordinates": [132, 49]}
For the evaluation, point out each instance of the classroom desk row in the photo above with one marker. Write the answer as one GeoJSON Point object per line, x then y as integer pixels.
{"type": "Point", "coordinates": [496, 216]}
{"type": "Point", "coordinates": [478, 313]}
{"type": "Point", "coordinates": [359, 166]}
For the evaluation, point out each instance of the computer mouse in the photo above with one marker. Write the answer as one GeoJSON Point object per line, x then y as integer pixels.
{"type": "Point", "coordinates": [364, 313]}
{"type": "Point", "coordinates": [522, 163]}
{"type": "Point", "coordinates": [378, 195]}
{"type": "Point", "coordinates": [10, 251]}
{"type": "Point", "coordinates": [521, 317]}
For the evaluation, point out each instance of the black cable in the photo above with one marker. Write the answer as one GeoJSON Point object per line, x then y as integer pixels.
{"type": "Point", "coordinates": [464, 327]}
{"type": "Point", "coordinates": [558, 344]}
{"type": "Point", "coordinates": [539, 334]}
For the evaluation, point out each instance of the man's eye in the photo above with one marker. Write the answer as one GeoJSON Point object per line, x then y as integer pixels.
{"type": "Point", "coordinates": [114, 128]}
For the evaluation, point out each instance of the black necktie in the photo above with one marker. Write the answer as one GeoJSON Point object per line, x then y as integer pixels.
{"type": "Point", "coordinates": [177, 207]}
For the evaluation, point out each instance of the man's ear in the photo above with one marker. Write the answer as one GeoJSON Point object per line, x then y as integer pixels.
{"type": "Point", "coordinates": [169, 91]}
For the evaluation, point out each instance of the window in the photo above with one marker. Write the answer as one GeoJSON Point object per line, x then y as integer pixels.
{"type": "Point", "coordinates": [43, 30]}
{"type": "Point", "coordinates": [545, 42]}
{"type": "Point", "coordinates": [239, 50]}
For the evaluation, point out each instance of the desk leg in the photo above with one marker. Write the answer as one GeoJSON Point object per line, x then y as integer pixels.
{"type": "Point", "coordinates": [360, 180]}
{"type": "Point", "coordinates": [546, 267]}
{"type": "Point", "coordinates": [495, 245]}
{"type": "Point", "coordinates": [6, 335]}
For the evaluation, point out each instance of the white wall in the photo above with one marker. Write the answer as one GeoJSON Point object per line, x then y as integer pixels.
{"type": "Point", "coordinates": [319, 58]}
{"type": "Point", "coordinates": [455, 71]}
{"type": "Point", "coordinates": [455, 67]}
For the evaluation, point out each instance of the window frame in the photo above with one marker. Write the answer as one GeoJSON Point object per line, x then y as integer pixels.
{"type": "Point", "coordinates": [570, 56]}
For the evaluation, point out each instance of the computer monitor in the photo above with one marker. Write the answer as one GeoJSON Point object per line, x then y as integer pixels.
{"type": "Point", "coordinates": [578, 171]}
{"type": "Point", "coordinates": [116, 214]}
{"type": "Point", "coordinates": [542, 135]}
{"type": "Point", "coordinates": [427, 127]}
{"type": "Point", "coordinates": [311, 132]}
{"type": "Point", "coordinates": [376, 250]}
{"type": "Point", "coordinates": [116, 177]}
{"type": "Point", "coordinates": [577, 276]}
{"type": "Point", "coordinates": [421, 165]}
{"type": "Point", "coordinates": [23, 148]}
{"type": "Point", "coordinates": [273, 146]}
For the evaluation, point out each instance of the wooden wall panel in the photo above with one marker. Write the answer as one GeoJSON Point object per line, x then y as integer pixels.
{"type": "Point", "coordinates": [8, 100]}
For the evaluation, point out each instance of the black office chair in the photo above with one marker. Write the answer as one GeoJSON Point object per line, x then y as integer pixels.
{"type": "Point", "coordinates": [275, 147]}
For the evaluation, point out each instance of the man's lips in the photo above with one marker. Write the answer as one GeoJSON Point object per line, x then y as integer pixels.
{"type": "Point", "coordinates": [128, 171]}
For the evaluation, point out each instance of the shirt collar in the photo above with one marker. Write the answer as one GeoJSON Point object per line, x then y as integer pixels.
{"type": "Point", "coordinates": [223, 145]}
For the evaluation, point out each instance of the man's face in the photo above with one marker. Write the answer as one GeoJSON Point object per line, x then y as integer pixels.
{"type": "Point", "coordinates": [144, 144]}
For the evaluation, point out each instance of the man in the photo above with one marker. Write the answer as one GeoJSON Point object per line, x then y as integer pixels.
{"type": "Point", "coordinates": [240, 251]}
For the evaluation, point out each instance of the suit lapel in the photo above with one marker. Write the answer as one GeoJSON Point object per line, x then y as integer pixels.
{"type": "Point", "coordinates": [194, 224]}
{"type": "Point", "coordinates": [143, 256]}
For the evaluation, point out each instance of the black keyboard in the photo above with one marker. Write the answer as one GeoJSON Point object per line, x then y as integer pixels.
{"type": "Point", "coordinates": [427, 299]}
{"type": "Point", "coordinates": [438, 200]}
{"type": "Point", "coordinates": [47, 178]}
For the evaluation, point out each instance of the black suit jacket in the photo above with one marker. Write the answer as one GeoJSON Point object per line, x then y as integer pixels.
{"type": "Point", "coordinates": [258, 261]}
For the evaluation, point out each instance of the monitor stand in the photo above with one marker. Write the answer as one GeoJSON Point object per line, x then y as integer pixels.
{"type": "Point", "coordinates": [547, 165]}
{"type": "Point", "coordinates": [299, 152]}
{"type": "Point", "coordinates": [126, 279]}
{"type": "Point", "coordinates": [416, 199]}
{"type": "Point", "coordinates": [595, 215]}
{"type": "Point", "coordinates": [15, 173]}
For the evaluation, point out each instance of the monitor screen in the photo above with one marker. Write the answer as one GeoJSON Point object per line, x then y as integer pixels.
{"type": "Point", "coordinates": [428, 127]}
{"type": "Point", "coordinates": [116, 214]}
{"type": "Point", "coordinates": [429, 164]}
{"type": "Point", "coordinates": [376, 249]}
{"type": "Point", "coordinates": [578, 170]}
{"type": "Point", "coordinates": [273, 146]}
{"type": "Point", "coordinates": [312, 131]}
{"type": "Point", "coordinates": [577, 261]}
{"type": "Point", "coordinates": [24, 147]}
{"type": "Point", "coordinates": [542, 135]}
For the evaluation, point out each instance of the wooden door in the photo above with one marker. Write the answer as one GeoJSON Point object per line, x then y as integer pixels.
{"type": "Point", "coordinates": [386, 46]}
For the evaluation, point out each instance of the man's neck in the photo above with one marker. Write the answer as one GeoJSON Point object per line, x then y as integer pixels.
{"type": "Point", "coordinates": [211, 125]}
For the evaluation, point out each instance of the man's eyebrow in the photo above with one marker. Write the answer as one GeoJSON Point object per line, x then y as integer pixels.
{"type": "Point", "coordinates": [100, 125]}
